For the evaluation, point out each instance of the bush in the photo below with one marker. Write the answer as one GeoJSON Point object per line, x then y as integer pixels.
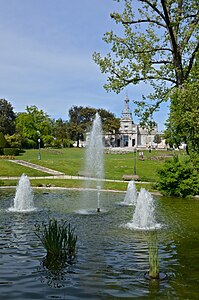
{"type": "Point", "coordinates": [29, 144]}
{"type": "Point", "coordinates": [14, 140]}
{"type": "Point", "coordinates": [3, 142]}
{"type": "Point", "coordinates": [11, 151]}
{"type": "Point", "coordinates": [178, 179]}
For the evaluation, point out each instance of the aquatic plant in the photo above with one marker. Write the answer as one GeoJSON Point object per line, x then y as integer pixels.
{"type": "Point", "coordinates": [153, 255]}
{"type": "Point", "coordinates": [59, 241]}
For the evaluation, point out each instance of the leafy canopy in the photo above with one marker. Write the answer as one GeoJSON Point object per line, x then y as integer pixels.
{"type": "Point", "coordinates": [7, 117]}
{"type": "Point", "coordinates": [34, 123]}
{"type": "Point", "coordinates": [81, 118]}
{"type": "Point", "coordinates": [157, 43]}
{"type": "Point", "coordinates": [183, 124]}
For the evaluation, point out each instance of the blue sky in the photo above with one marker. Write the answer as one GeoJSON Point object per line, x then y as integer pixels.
{"type": "Point", "coordinates": [46, 56]}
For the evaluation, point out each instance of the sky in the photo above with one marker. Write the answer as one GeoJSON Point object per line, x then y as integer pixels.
{"type": "Point", "coordinates": [46, 57]}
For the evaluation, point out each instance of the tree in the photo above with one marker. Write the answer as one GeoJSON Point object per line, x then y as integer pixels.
{"type": "Point", "coordinates": [158, 45]}
{"type": "Point", "coordinates": [3, 141]}
{"type": "Point", "coordinates": [157, 139]}
{"type": "Point", "coordinates": [7, 117]}
{"type": "Point", "coordinates": [34, 124]}
{"type": "Point", "coordinates": [81, 119]}
{"type": "Point", "coordinates": [182, 124]}
{"type": "Point", "coordinates": [61, 133]}
{"type": "Point", "coordinates": [109, 122]}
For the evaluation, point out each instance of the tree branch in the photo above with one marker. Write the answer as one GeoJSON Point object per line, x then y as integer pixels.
{"type": "Point", "coordinates": [179, 10]}
{"type": "Point", "coordinates": [133, 80]}
{"type": "Point", "coordinates": [161, 62]}
{"type": "Point", "coordinates": [177, 60]}
{"type": "Point", "coordinates": [191, 61]}
{"type": "Point", "coordinates": [143, 21]}
{"type": "Point", "coordinates": [191, 29]}
{"type": "Point", "coordinates": [144, 51]}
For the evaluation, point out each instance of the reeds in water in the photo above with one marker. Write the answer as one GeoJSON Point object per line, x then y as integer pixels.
{"type": "Point", "coordinates": [59, 241]}
{"type": "Point", "coordinates": [153, 255]}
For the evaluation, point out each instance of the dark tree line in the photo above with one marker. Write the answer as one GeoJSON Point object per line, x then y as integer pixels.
{"type": "Point", "coordinates": [23, 129]}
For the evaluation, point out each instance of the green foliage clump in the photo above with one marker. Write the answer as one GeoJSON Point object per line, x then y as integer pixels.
{"type": "Point", "coordinates": [59, 241]}
{"type": "Point", "coordinates": [7, 117]}
{"type": "Point", "coordinates": [11, 151]}
{"type": "Point", "coordinates": [178, 178]}
{"type": "Point", "coordinates": [3, 142]}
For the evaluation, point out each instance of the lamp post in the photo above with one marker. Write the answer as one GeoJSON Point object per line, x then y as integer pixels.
{"type": "Point", "coordinates": [39, 153]}
{"type": "Point", "coordinates": [134, 150]}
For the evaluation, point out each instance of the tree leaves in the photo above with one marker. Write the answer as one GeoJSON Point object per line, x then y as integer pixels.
{"type": "Point", "coordinates": [157, 42]}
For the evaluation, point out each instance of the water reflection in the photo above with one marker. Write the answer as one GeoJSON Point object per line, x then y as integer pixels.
{"type": "Point", "coordinates": [111, 260]}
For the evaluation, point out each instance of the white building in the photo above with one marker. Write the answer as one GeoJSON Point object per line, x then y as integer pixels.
{"type": "Point", "coordinates": [130, 134]}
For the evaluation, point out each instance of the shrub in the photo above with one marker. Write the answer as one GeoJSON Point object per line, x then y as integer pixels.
{"type": "Point", "coordinates": [14, 140]}
{"type": "Point", "coordinates": [11, 151]}
{"type": "Point", "coordinates": [178, 179]}
{"type": "Point", "coordinates": [59, 241]}
{"type": "Point", "coordinates": [29, 144]}
{"type": "Point", "coordinates": [3, 142]}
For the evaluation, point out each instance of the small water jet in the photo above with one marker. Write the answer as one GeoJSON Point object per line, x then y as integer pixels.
{"type": "Point", "coordinates": [144, 214]}
{"type": "Point", "coordinates": [98, 198]}
{"type": "Point", "coordinates": [101, 246]}
{"type": "Point", "coordinates": [131, 194]}
{"type": "Point", "coordinates": [23, 201]}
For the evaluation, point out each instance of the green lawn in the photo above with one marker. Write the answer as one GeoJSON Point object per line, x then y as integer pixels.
{"type": "Point", "coordinates": [71, 160]}
{"type": "Point", "coordinates": [10, 169]}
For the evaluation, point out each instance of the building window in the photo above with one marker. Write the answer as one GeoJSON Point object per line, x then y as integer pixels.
{"type": "Point", "coordinates": [126, 140]}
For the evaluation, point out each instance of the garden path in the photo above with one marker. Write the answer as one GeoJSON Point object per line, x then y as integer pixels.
{"type": "Point", "coordinates": [37, 167]}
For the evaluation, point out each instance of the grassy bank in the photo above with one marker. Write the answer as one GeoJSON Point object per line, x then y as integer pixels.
{"type": "Point", "coordinates": [71, 160]}
{"type": "Point", "coordinates": [71, 183]}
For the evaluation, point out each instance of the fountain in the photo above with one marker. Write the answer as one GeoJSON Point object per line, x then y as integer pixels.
{"type": "Point", "coordinates": [111, 261]}
{"type": "Point", "coordinates": [143, 217]}
{"type": "Point", "coordinates": [131, 194]}
{"type": "Point", "coordinates": [94, 165]}
{"type": "Point", "coordinates": [98, 198]}
{"type": "Point", "coordinates": [23, 201]}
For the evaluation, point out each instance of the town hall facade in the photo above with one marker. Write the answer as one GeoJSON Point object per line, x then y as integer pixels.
{"type": "Point", "coordinates": [130, 134]}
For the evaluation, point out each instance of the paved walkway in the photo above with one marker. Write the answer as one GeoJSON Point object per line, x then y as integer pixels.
{"type": "Point", "coordinates": [36, 167]}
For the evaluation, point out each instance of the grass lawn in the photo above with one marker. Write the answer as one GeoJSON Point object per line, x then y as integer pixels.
{"type": "Point", "coordinates": [71, 160]}
{"type": "Point", "coordinates": [10, 169]}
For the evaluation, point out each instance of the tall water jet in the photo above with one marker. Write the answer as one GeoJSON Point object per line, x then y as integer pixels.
{"type": "Point", "coordinates": [144, 214]}
{"type": "Point", "coordinates": [131, 194]}
{"type": "Point", "coordinates": [95, 150]}
{"type": "Point", "coordinates": [94, 162]}
{"type": "Point", "coordinates": [23, 201]}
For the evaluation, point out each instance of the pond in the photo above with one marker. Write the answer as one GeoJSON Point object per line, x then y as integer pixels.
{"type": "Point", "coordinates": [111, 258]}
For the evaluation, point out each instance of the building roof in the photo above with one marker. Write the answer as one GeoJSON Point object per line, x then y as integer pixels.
{"type": "Point", "coordinates": [126, 113]}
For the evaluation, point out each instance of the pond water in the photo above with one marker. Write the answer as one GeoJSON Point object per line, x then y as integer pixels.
{"type": "Point", "coordinates": [111, 259]}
